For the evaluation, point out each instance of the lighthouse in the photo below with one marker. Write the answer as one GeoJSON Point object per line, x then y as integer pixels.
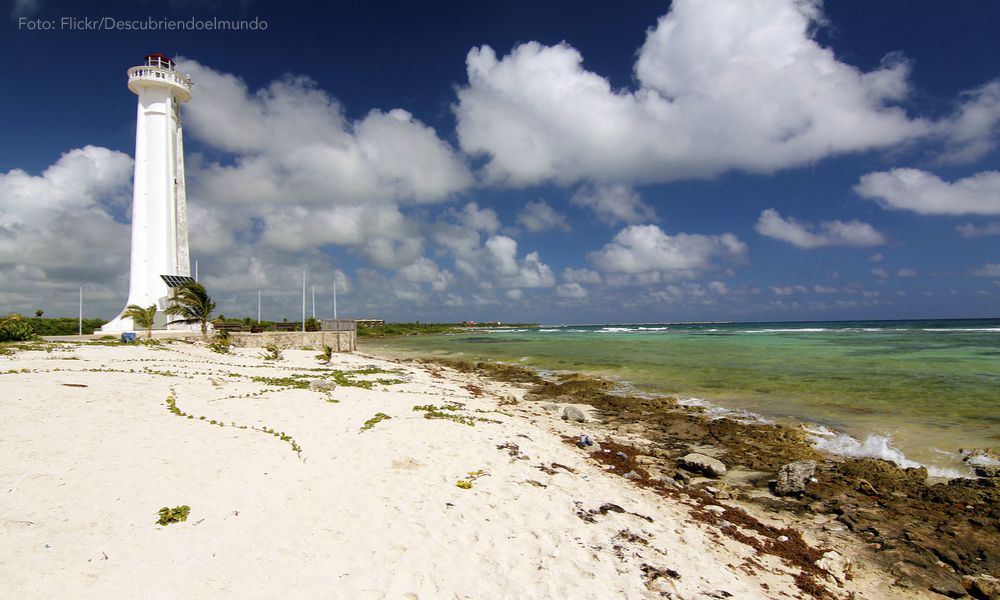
{"type": "Point", "coordinates": [159, 259]}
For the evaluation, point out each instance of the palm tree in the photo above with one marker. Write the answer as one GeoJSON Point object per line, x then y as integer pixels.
{"type": "Point", "coordinates": [327, 354]}
{"type": "Point", "coordinates": [141, 317]}
{"type": "Point", "coordinates": [192, 304]}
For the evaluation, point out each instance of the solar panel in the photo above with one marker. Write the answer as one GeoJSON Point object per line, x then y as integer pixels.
{"type": "Point", "coordinates": [176, 281]}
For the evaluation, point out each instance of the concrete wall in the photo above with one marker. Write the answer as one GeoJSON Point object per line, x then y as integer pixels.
{"type": "Point", "coordinates": [340, 341]}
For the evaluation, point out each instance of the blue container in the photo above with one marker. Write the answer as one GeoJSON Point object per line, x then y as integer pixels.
{"type": "Point", "coordinates": [128, 337]}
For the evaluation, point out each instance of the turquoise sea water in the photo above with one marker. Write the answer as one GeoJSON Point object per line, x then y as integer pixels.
{"type": "Point", "coordinates": [909, 391]}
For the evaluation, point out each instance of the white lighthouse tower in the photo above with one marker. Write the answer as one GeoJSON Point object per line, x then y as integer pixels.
{"type": "Point", "coordinates": [159, 206]}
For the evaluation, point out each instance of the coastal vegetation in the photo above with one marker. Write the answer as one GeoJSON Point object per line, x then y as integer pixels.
{"type": "Point", "coordinates": [15, 328]}
{"type": "Point", "coordinates": [142, 317]}
{"type": "Point", "coordinates": [177, 514]}
{"type": "Point", "coordinates": [62, 326]}
{"type": "Point", "coordinates": [192, 304]}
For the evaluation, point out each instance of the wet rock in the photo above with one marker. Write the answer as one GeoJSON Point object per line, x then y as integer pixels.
{"type": "Point", "coordinates": [572, 413]}
{"type": "Point", "coordinates": [683, 430]}
{"type": "Point", "coordinates": [984, 589]}
{"type": "Point", "coordinates": [640, 446]}
{"type": "Point", "coordinates": [987, 471]}
{"type": "Point", "coordinates": [981, 456]}
{"type": "Point", "coordinates": [948, 586]}
{"type": "Point", "coordinates": [793, 477]}
{"type": "Point", "coordinates": [683, 476]}
{"type": "Point", "coordinates": [671, 483]}
{"type": "Point", "coordinates": [712, 467]}
{"type": "Point", "coordinates": [884, 477]}
{"type": "Point", "coordinates": [761, 447]}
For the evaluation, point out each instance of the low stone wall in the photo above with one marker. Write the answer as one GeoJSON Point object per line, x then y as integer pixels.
{"type": "Point", "coordinates": [340, 341]}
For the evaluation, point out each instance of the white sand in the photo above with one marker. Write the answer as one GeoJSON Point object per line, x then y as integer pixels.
{"type": "Point", "coordinates": [84, 470]}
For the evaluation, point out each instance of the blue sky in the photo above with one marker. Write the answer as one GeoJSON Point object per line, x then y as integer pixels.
{"type": "Point", "coordinates": [695, 160]}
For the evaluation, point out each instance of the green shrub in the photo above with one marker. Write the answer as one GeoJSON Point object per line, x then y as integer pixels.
{"type": "Point", "coordinates": [177, 514]}
{"type": "Point", "coordinates": [14, 328]}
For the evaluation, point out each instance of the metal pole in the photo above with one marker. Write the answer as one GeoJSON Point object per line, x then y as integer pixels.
{"type": "Point", "coordinates": [335, 298]}
{"type": "Point", "coordinates": [303, 301]}
{"type": "Point", "coordinates": [313, 289]}
{"type": "Point", "coordinates": [258, 307]}
{"type": "Point", "coordinates": [80, 323]}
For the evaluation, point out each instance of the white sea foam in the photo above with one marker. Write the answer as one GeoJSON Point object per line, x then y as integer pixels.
{"type": "Point", "coordinates": [718, 412]}
{"type": "Point", "coordinates": [981, 460]}
{"type": "Point", "coordinates": [786, 330]}
{"type": "Point", "coordinates": [967, 330]}
{"type": "Point", "coordinates": [874, 446]}
{"type": "Point", "coordinates": [828, 440]}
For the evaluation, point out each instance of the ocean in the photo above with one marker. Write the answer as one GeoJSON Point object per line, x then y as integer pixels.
{"type": "Point", "coordinates": [914, 392]}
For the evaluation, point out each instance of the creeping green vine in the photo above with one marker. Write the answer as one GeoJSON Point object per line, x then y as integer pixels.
{"type": "Point", "coordinates": [434, 412]}
{"type": "Point", "coordinates": [372, 421]}
{"type": "Point", "coordinates": [172, 407]}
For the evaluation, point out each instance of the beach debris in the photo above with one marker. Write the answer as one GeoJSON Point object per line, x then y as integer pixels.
{"type": "Point", "coordinates": [322, 385]}
{"type": "Point", "coordinates": [510, 399]}
{"type": "Point", "coordinates": [572, 413]}
{"type": "Point", "coordinates": [866, 486]}
{"type": "Point", "coordinates": [658, 579]}
{"type": "Point", "coordinates": [588, 516]}
{"type": "Point", "coordinates": [514, 450]}
{"type": "Point", "coordinates": [836, 566]}
{"type": "Point", "coordinates": [793, 477]}
{"type": "Point", "coordinates": [712, 467]}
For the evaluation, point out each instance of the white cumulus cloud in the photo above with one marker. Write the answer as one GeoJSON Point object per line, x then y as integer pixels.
{"type": "Point", "coordinates": [538, 216]}
{"type": "Point", "coordinates": [927, 194]}
{"type": "Point", "coordinates": [972, 131]}
{"type": "Point", "coordinates": [294, 145]}
{"type": "Point", "coordinates": [987, 270]}
{"type": "Point", "coordinates": [59, 227]}
{"type": "Point", "coordinates": [969, 230]}
{"type": "Point", "coordinates": [853, 234]}
{"type": "Point", "coordinates": [614, 204]}
{"type": "Point", "coordinates": [721, 85]}
{"type": "Point", "coordinates": [641, 249]}
{"type": "Point", "coordinates": [571, 290]}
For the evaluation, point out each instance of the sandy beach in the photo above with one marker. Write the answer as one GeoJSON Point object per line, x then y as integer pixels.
{"type": "Point", "coordinates": [348, 492]}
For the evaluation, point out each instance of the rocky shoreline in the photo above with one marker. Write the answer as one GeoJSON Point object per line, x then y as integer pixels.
{"type": "Point", "coordinates": [943, 538]}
